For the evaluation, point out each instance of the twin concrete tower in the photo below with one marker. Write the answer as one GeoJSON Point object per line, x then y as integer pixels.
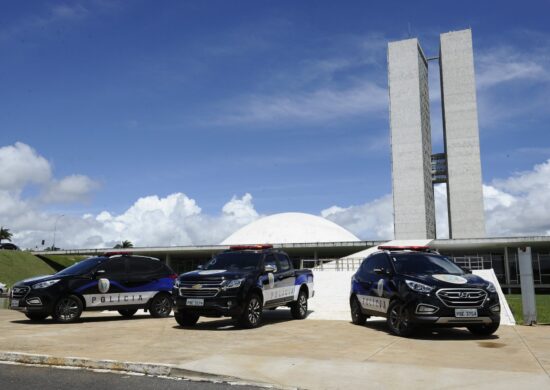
{"type": "Point", "coordinates": [414, 168]}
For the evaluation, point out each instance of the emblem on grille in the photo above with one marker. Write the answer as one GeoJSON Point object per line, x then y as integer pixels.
{"type": "Point", "coordinates": [464, 295]}
{"type": "Point", "coordinates": [196, 286]}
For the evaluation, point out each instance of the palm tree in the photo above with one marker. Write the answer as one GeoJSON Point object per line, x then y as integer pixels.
{"type": "Point", "coordinates": [124, 244]}
{"type": "Point", "coordinates": [5, 234]}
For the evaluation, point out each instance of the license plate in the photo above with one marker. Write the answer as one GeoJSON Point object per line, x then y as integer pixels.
{"type": "Point", "coordinates": [195, 302]}
{"type": "Point", "coordinates": [469, 313]}
{"type": "Point", "coordinates": [15, 303]}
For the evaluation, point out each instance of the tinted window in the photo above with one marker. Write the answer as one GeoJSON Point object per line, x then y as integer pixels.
{"type": "Point", "coordinates": [378, 261]}
{"type": "Point", "coordinates": [412, 263]}
{"type": "Point", "coordinates": [235, 261]}
{"type": "Point", "coordinates": [270, 260]}
{"type": "Point", "coordinates": [114, 266]}
{"type": "Point", "coordinates": [82, 267]}
{"type": "Point", "coordinates": [283, 262]}
{"type": "Point", "coordinates": [143, 266]}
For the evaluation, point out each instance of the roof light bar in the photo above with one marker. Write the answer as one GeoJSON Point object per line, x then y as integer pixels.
{"type": "Point", "coordinates": [253, 247]}
{"type": "Point", "coordinates": [416, 248]}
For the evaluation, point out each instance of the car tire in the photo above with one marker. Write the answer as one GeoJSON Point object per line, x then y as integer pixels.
{"type": "Point", "coordinates": [251, 316]}
{"type": "Point", "coordinates": [484, 330]}
{"type": "Point", "coordinates": [67, 309]}
{"type": "Point", "coordinates": [185, 318]}
{"type": "Point", "coordinates": [398, 319]}
{"type": "Point", "coordinates": [161, 306]}
{"type": "Point", "coordinates": [128, 313]}
{"type": "Point", "coordinates": [299, 308]}
{"type": "Point", "coordinates": [36, 316]}
{"type": "Point", "coordinates": [357, 316]}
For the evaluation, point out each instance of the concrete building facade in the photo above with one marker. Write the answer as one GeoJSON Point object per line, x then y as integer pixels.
{"type": "Point", "coordinates": [414, 168]}
{"type": "Point", "coordinates": [411, 144]}
{"type": "Point", "coordinates": [461, 135]}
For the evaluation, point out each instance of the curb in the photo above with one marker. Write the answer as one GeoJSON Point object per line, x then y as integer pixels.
{"type": "Point", "coordinates": [154, 369]}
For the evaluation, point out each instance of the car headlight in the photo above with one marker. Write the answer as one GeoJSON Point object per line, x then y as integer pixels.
{"type": "Point", "coordinates": [45, 284]}
{"type": "Point", "coordinates": [418, 287]}
{"type": "Point", "coordinates": [234, 283]}
{"type": "Point", "coordinates": [491, 288]}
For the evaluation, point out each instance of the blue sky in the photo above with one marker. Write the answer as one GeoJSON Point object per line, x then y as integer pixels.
{"type": "Point", "coordinates": [283, 100]}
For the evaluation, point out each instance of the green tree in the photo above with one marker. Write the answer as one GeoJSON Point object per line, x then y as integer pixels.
{"type": "Point", "coordinates": [124, 244]}
{"type": "Point", "coordinates": [5, 234]}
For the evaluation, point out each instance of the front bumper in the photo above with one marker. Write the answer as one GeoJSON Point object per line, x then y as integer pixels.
{"type": "Point", "coordinates": [34, 301]}
{"type": "Point", "coordinates": [212, 307]}
{"type": "Point", "coordinates": [442, 315]}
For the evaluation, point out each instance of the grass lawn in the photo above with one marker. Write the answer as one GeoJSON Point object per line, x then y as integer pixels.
{"type": "Point", "coordinates": [543, 308]}
{"type": "Point", "coordinates": [18, 265]}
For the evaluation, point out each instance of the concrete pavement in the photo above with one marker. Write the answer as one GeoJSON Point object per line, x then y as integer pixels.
{"type": "Point", "coordinates": [306, 354]}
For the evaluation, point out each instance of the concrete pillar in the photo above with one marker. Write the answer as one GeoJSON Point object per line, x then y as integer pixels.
{"type": "Point", "coordinates": [525, 261]}
{"type": "Point", "coordinates": [168, 260]}
{"type": "Point", "coordinates": [507, 269]}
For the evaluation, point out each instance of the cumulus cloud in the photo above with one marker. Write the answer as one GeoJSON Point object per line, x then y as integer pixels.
{"type": "Point", "coordinates": [516, 206]}
{"type": "Point", "coordinates": [372, 220]}
{"type": "Point", "coordinates": [72, 188]}
{"type": "Point", "coordinates": [21, 165]}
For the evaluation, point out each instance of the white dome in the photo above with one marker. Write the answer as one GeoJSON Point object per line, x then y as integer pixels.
{"type": "Point", "coordinates": [287, 228]}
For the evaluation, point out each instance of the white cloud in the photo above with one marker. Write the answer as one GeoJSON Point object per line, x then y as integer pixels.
{"type": "Point", "coordinates": [372, 220]}
{"type": "Point", "coordinates": [516, 206]}
{"type": "Point", "coordinates": [316, 106]}
{"type": "Point", "coordinates": [72, 188]}
{"type": "Point", "coordinates": [21, 165]}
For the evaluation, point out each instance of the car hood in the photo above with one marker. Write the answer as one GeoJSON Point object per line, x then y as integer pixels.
{"type": "Point", "coordinates": [37, 279]}
{"type": "Point", "coordinates": [449, 281]}
{"type": "Point", "coordinates": [215, 274]}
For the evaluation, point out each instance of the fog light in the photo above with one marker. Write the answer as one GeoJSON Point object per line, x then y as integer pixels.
{"type": "Point", "coordinates": [495, 309]}
{"type": "Point", "coordinates": [425, 309]}
{"type": "Point", "coordinates": [34, 301]}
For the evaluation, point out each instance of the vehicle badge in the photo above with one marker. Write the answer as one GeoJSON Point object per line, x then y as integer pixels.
{"type": "Point", "coordinates": [103, 285]}
{"type": "Point", "coordinates": [196, 286]}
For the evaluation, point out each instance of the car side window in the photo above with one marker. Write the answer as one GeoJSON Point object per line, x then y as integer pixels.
{"type": "Point", "coordinates": [142, 266]}
{"type": "Point", "coordinates": [380, 261]}
{"type": "Point", "coordinates": [284, 262]}
{"type": "Point", "coordinates": [368, 266]}
{"type": "Point", "coordinates": [270, 260]}
{"type": "Point", "coordinates": [113, 267]}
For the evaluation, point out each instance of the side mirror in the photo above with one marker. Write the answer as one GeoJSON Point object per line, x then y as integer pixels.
{"type": "Point", "coordinates": [270, 268]}
{"type": "Point", "coordinates": [381, 271]}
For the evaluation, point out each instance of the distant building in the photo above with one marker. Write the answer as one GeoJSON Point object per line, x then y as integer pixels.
{"type": "Point", "coordinates": [414, 168]}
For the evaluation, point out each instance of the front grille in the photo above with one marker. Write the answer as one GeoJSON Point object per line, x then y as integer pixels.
{"type": "Point", "coordinates": [20, 292]}
{"type": "Point", "coordinates": [201, 288]}
{"type": "Point", "coordinates": [462, 297]}
{"type": "Point", "coordinates": [205, 292]}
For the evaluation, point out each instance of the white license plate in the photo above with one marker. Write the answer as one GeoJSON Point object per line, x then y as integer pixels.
{"type": "Point", "coordinates": [468, 313]}
{"type": "Point", "coordinates": [195, 302]}
{"type": "Point", "coordinates": [15, 303]}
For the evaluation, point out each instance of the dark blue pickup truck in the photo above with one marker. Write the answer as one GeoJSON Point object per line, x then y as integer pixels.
{"type": "Point", "coordinates": [240, 283]}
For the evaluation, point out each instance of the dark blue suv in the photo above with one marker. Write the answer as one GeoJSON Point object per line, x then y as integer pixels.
{"type": "Point", "coordinates": [115, 281]}
{"type": "Point", "coordinates": [415, 286]}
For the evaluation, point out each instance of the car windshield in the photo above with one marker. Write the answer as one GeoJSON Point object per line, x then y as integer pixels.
{"type": "Point", "coordinates": [424, 264]}
{"type": "Point", "coordinates": [82, 267]}
{"type": "Point", "coordinates": [235, 261]}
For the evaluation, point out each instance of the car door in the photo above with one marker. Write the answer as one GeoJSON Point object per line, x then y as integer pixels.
{"type": "Point", "coordinates": [108, 284]}
{"type": "Point", "coordinates": [376, 279]}
{"type": "Point", "coordinates": [285, 278]}
{"type": "Point", "coordinates": [142, 278]}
